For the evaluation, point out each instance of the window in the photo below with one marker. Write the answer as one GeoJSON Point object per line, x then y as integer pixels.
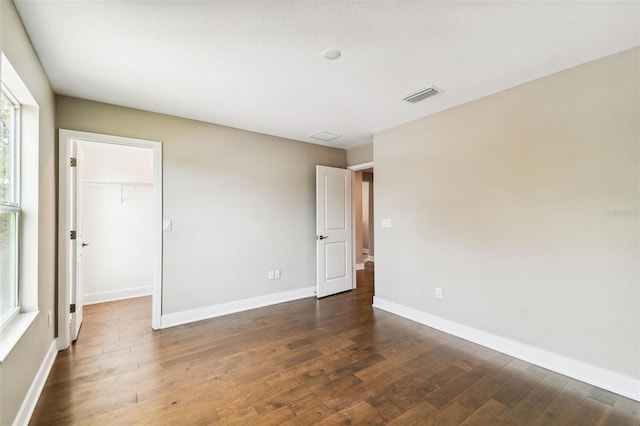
{"type": "Point", "coordinates": [9, 205]}
{"type": "Point", "coordinates": [19, 196]}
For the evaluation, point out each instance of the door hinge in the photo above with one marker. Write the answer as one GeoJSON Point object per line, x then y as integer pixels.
{"type": "Point", "coordinates": [72, 308]}
{"type": "Point", "coordinates": [74, 162]}
{"type": "Point", "coordinates": [73, 235]}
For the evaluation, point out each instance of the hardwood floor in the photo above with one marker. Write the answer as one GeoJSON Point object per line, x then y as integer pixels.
{"type": "Point", "coordinates": [329, 361]}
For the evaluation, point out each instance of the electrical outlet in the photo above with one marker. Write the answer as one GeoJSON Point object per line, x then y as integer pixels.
{"type": "Point", "coordinates": [439, 292]}
{"type": "Point", "coordinates": [272, 275]}
{"type": "Point", "coordinates": [277, 274]}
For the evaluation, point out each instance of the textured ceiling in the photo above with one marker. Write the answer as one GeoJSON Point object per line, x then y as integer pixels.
{"type": "Point", "coordinates": [257, 65]}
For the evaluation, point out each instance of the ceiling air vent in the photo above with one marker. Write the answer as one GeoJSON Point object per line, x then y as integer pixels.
{"type": "Point", "coordinates": [422, 95]}
{"type": "Point", "coordinates": [325, 136]}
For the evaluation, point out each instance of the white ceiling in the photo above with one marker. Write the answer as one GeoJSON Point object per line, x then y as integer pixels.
{"type": "Point", "coordinates": [257, 65]}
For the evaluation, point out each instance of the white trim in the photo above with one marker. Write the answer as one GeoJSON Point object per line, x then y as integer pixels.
{"type": "Point", "coordinates": [359, 266]}
{"type": "Point", "coordinates": [110, 296]}
{"type": "Point", "coordinates": [12, 80]}
{"type": "Point", "coordinates": [371, 259]}
{"type": "Point", "coordinates": [361, 166]}
{"type": "Point", "coordinates": [64, 138]}
{"type": "Point", "coordinates": [31, 399]}
{"type": "Point", "coordinates": [13, 331]}
{"type": "Point", "coordinates": [192, 315]}
{"type": "Point", "coordinates": [588, 373]}
{"type": "Point", "coordinates": [26, 263]}
{"type": "Point", "coordinates": [365, 251]}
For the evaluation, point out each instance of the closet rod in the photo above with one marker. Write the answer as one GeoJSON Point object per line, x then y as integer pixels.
{"type": "Point", "coordinates": [99, 182]}
{"type": "Point", "coordinates": [122, 185]}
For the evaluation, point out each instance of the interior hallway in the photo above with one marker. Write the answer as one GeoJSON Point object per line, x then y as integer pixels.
{"type": "Point", "coordinates": [330, 361]}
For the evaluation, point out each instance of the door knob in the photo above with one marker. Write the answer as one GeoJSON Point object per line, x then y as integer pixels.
{"type": "Point", "coordinates": [85, 244]}
{"type": "Point", "coordinates": [322, 237]}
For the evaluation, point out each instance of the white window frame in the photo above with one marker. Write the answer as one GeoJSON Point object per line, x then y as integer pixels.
{"type": "Point", "coordinates": [13, 328]}
{"type": "Point", "coordinates": [12, 205]}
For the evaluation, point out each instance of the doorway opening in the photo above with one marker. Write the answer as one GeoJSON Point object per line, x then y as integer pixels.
{"type": "Point", "coordinates": [110, 221]}
{"type": "Point", "coordinates": [363, 220]}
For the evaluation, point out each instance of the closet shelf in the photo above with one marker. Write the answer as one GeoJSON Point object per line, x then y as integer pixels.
{"type": "Point", "coordinates": [114, 182]}
{"type": "Point", "coordinates": [122, 185]}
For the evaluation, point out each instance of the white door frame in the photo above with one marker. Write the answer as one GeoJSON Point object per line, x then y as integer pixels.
{"type": "Point", "coordinates": [64, 139]}
{"type": "Point", "coordinates": [355, 168]}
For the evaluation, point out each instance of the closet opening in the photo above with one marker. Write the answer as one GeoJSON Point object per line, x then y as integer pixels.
{"type": "Point", "coordinates": [111, 209]}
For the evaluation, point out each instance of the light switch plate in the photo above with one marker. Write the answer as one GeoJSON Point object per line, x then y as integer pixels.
{"type": "Point", "coordinates": [385, 223]}
{"type": "Point", "coordinates": [166, 225]}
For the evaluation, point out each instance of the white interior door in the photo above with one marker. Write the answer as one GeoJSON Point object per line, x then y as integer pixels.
{"type": "Point", "coordinates": [75, 248]}
{"type": "Point", "coordinates": [333, 231]}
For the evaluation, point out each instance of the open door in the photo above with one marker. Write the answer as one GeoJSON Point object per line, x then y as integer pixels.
{"type": "Point", "coordinates": [75, 251]}
{"type": "Point", "coordinates": [69, 299]}
{"type": "Point", "coordinates": [333, 231]}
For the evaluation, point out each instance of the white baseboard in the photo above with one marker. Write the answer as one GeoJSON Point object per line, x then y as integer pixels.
{"type": "Point", "coordinates": [183, 317]}
{"type": "Point", "coordinates": [31, 399]}
{"type": "Point", "coordinates": [110, 296]}
{"type": "Point", "coordinates": [606, 379]}
{"type": "Point", "coordinates": [359, 266]}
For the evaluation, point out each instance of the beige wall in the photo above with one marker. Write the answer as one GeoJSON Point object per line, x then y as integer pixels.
{"type": "Point", "coordinates": [523, 207]}
{"type": "Point", "coordinates": [241, 203]}
{"type": "Point", "coordinates": [360, 154]}
{"type": "Point", "coordinates": [19, 368]}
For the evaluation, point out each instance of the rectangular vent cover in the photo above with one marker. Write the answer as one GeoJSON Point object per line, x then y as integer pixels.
{"type": "Point", "coordinates": [325, 136]}
{"type": "Point", "coordinates": [422, 95]}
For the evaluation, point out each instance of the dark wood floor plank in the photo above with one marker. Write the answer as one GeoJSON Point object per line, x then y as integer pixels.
{"type": "Point", "coordinates": [308, 411]}
{"type": "Point", "coordinates": [559, 413]}
{"type": "Point", "coordinates": [626, 412]}
{"type": "Point", "coordinates": [365, 390]}
{"type": "Point", "coordinates": [593, 412]}
{"type": "Point", "coordinates": [361, 413]}
{"type": "Point", "coordinates": [448, 393]}
{"type": "Point", "coordinates": [330, 361]}
{"type": "Point", "coordinates": [477, 395]}
{"type": "Point", "coordinates": [516, 390]}
{"type": "Point", "coordinates": [452, 415]}
{"type": "Point", "coordinates": [536, 401]}
{"type": "Point", "coordinates": [603, 396]}
{"type": "Point", "coordinates": [485, 414]}
{"type": "Point", "coordinates": [417, 415]}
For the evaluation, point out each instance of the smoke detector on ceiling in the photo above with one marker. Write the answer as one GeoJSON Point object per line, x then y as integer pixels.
{"type": "Point", "coordinates": [422, 94]}
{"type": "Point", "coordinates": [325, 136]}
{"type": "Point", "coordinates": [331, 54]}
